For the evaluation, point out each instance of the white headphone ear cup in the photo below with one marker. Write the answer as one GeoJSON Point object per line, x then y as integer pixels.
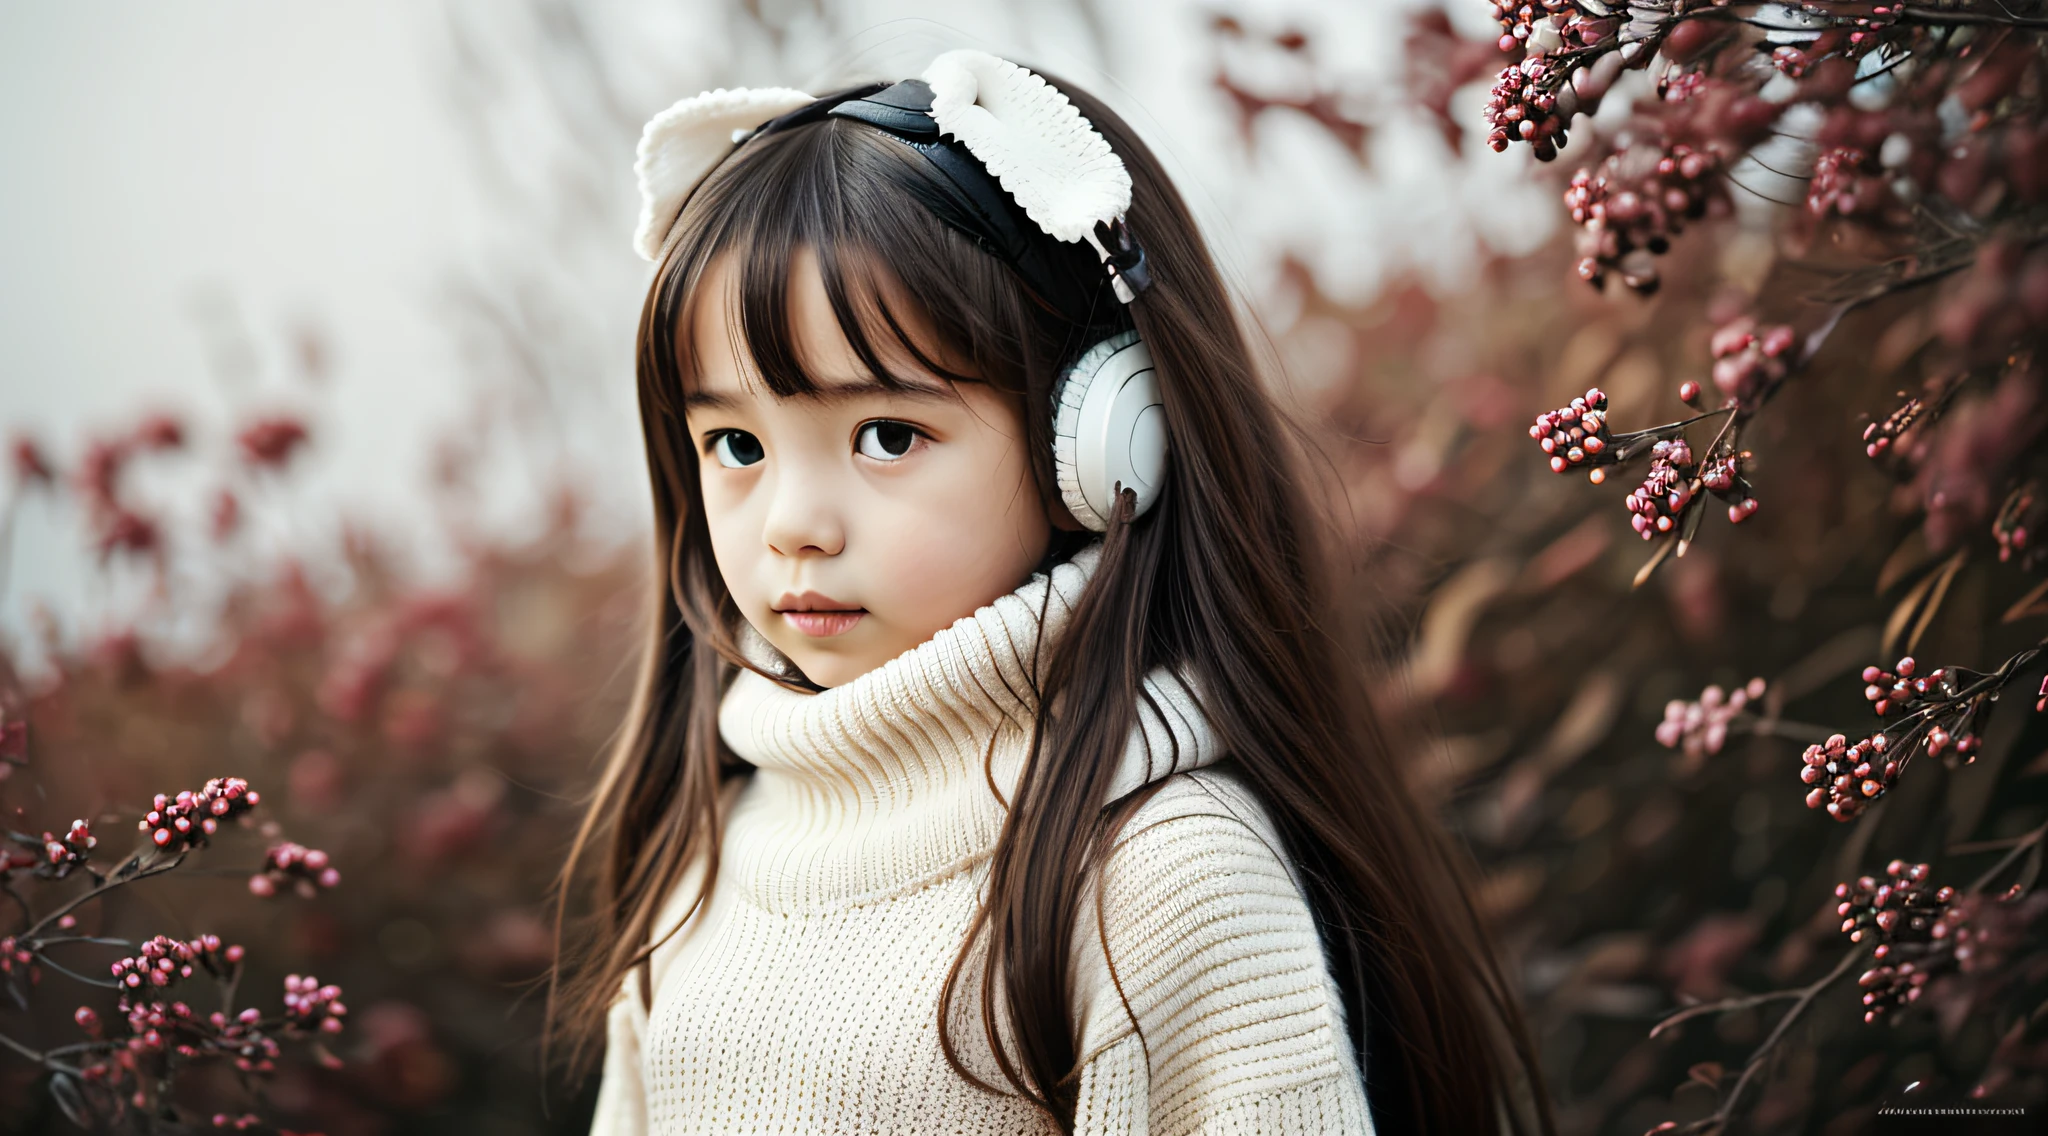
{"type": "Point", "coordinates": [1109, 429]}
{"type": "Point", "coordinates": [1073, 391]}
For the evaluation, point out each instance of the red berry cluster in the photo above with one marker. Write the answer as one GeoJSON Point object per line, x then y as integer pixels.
{"type": "Point", "coordinates": [68, 851]}
{"type": "Point", "coordinates": [186, 821]}
{"type": "Point", "coordinates": [15, 957]}
{"type": "Point", "coordinates": [305, 869]}
{"type": "Point", "coordinates": [1796, 61]}
{"type": "Point", "coordinates": [173, 1028]}
{"type": "Point", "coordinates": [2016, 525]}
{"type": "Point", "coordinates": [1677, 86]}
{"type": "Point", "coordinates": [1518, 21]}
{"type": "Point", "coordinates": [311, 1007]}
{"type": "Point", "coordinates": [1666, 493]}
{"type": "Point", "coordinates": [1701, 727]}
{"type": "Point", "coordinates": [1722, 476]}
{"type": "Point", "coordinates": [1523, 105]}
{"type": "Point", "coordinates": [1847, 778]}
{"type": "Point", "coordinates": [1902, 908]}
{"type": "Point", "coordinates": [1865, 36]}
{"type": "Point", "coordinates": [1879, 437]}
{"type": "Point", "coordinates": [157, 1027]}
{"type": "Point", "coordinates": [1575, 435]}
{"type": "Point", "coordinates": [117, 525]}
{"type": "Point", "coordinates": [113, 1071]}
{"type": "Point", "coordinates": [271, 441]}
{"type": "Point", "coordinates": [1846, 181]}
{"type": "Point", "coordinates": [1631, 207]}
{"type": "Point", "coordinates": [1849, 38]}
{"type": "Point", "coordinates": [1898, 688]}
{"type": "Point", "coordinates": [1892, 986]}
{"type": "Point", "coordinates": [1900, 691]}
{"type": "Point", "coordinates": [163, 960]}
{"type": "Point", "coordinates": [1748, 360]}
{"type": "Point", "coordinates": [51, 855]}
{"type": "Point", "coordinates": [1904, 916]}
{"type": "Point", "coordinates": [1792, 61]}
{"type": "Point", "coordinates": [1548, 24]}
{"type": "Point", "coordinates": [244, 1038]}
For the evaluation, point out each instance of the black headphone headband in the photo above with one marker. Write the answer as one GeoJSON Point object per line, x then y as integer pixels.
{"type": "Point", "coordinates": [959, 191]}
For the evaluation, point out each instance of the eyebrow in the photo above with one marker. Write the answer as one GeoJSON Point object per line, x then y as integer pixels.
{"type": "Point", "coordinates": [837, 392]}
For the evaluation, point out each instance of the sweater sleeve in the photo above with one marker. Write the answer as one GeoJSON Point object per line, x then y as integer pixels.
{"type": "Point", "coordinates": [622, 1089]}
{"type": "Point", "coordinates": [621, 1096]}
{"type": "Point", "coordinates": [1205, 1003]}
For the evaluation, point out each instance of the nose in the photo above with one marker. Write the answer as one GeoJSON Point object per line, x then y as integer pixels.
{"type": "Point", "coordinates": [803, 516]}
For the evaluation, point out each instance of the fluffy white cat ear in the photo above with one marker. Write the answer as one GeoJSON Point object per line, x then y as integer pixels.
{"type": "Point", "coordinates": [1035, 142]}
{"type": "Point", "coordinates": [681, 144]}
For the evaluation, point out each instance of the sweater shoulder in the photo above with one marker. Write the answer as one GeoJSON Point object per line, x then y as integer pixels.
{"type": "Point", "coordinates": [1208, 830]}
{"type": "Point", "coordinates": [1203, 944]}
{"type": "Point", "coordinates": [1200, 861]}
{"type": "Point", "coordinates": [1216, 800]}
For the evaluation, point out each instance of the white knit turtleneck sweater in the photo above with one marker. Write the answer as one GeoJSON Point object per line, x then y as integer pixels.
{"type": "Point", "coordinates": [804, 998]}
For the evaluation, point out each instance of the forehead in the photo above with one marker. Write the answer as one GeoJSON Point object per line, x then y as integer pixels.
{"type": "Point", "coordinates": [811, 354]}
{"type": "Point", "coordinates": [719, 369]}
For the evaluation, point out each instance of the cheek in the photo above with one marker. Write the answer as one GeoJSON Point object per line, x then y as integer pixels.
{"type": "Point", "coordinates": [735, 532]}
{"type": "Point", "coordinates": [972, 531]}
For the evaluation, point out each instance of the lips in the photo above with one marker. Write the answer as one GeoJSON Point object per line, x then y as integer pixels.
{"type": "Point", "coordinates": [816, 615]}
{"type": "Point", "coordinates": [823, 624]}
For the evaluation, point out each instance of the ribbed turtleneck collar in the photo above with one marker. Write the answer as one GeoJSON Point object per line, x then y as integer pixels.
{"type": "Point", "coordinates": [890, 781]}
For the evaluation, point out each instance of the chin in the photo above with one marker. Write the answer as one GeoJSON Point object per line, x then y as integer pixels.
{"type": "Point", "coordinates": [825, 668]}
{"type": "Point", "coordinates": [843, 662]}
{"type": "Point", "coordinates": [832, 670]}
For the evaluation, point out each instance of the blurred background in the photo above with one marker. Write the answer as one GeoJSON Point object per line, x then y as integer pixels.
{"type": "Point", "coordinates": [315, 342]}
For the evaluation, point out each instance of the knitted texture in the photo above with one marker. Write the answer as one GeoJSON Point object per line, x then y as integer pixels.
{"type": "Point", "coordinates": [1032, 139]}
{"type": "Point", "coordinates": [804, 997]}
{"type": "Point", "coordinates": [682, 144]}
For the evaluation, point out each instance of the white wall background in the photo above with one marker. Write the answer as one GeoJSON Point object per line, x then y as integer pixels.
{"type": "Point", "coordinates": [443, 193]}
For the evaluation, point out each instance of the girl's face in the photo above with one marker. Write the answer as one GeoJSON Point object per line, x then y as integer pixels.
{"type": "Point", "coordinates": [853, 524]}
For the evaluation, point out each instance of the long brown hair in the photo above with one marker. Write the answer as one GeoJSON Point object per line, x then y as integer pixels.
{"type": "Point", "coordinates": [1225, 578]}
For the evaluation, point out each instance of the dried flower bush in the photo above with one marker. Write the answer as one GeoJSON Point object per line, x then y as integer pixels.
{"type": "Point", "coordinates": [424, 742]}
{"type": "Point", "coordinates": [1911, 261]}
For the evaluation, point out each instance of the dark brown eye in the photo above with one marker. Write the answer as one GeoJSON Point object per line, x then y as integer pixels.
{"type": "Point", "coordinates": [886, 440]}
{"type": "Point", "coordinates": [737, 449]}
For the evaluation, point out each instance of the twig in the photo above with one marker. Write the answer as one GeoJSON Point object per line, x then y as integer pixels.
{"type": "Point", "coordinates": [46, 1060]}
{"type": "Point", "coordinates": [30, 936]}
{"type": "Point", "coordinates": [1939, 17]}
{"type": "Point", "coordinates": [1758, 193]}
{"type": "Point", "coordinates": [1790, 731]}
{"type": "Point", "coordinates": [1725, 1005]}
{"type": "Point", "coordinates": [2019, 848]}
{"type": "Point", "coordinates": [1806, 995]}
{"type": "Point", "coordinates": [104, 983]}
{"type": "Point", "coordinates": [1632, 444]}
{"type": "Point", "coordinates": [2021, 840]}
{"type": "Point", "coordinates": [28, 914]}
{"type": "Point", "coordinates": [1664, 548]}
{"type": "Point", "coordinates": [101, 940]}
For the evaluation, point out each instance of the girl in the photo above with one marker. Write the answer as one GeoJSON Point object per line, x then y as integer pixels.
{"type": "Point", "coordinates": [994, 765]}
